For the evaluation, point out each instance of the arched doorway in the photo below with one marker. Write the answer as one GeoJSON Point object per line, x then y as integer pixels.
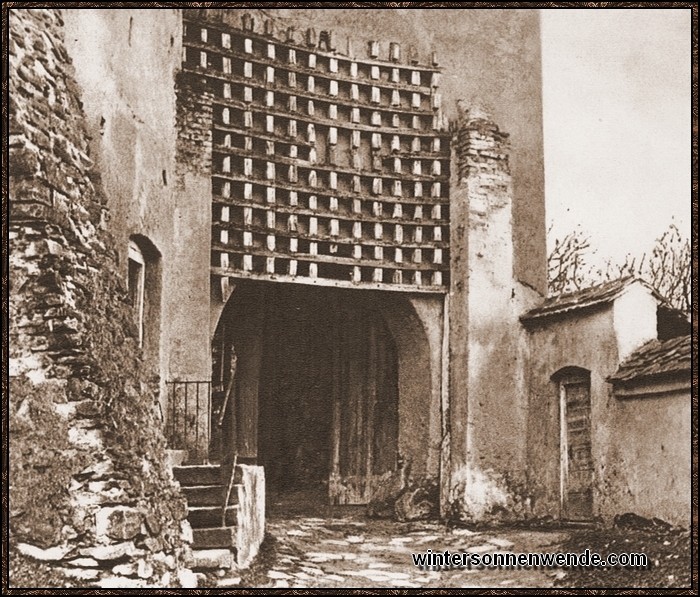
{"type": "Point", "coordinates": [324, 378]}
{"type": "Point", "coordinates": [576, 460]}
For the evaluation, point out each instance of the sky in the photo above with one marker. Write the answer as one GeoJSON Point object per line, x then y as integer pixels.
{"type": "Point", "coordinates": [617, 124]}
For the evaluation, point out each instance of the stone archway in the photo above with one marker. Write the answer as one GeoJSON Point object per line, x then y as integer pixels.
{"type": "Point", "coordinates": [331, 385]}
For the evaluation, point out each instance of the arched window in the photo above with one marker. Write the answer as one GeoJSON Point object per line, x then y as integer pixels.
{"type": "Point", "coordinates": [144, 288]}
{"type": "Point", "coordinates": [137, 281]}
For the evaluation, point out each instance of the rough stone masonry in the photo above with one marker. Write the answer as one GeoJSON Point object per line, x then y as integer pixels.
{"type": "Point", "coordinates": [90, 494]}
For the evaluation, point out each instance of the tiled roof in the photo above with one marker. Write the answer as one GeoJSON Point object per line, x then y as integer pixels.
{"type": "Point", "coordinates": [656, 358]}
{"type": "Point", "coordinates": [599, 294]}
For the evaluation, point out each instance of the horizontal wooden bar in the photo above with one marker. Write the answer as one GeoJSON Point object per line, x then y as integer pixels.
{"type": "Point", "coordinates": [334, 259]}
{"type": "Point", "coordinates": [326, 122]}
{"type": "Point", "coordinates": [283, 159]}
{"type": "Point", "coordinates": [384, 129]}
{"type": "Point", "coordinates": [322, 190]}
{"type": "Point", "coordinates": [340, 240]}
{"type": "Point", "coordinates": [341, 215]}
{"type": "Point", "coordinates": [329, 282]}
{"type": "Point", "coordinates": [283, 65]}
{"type": "Point", "coordinates": [249, 132]}
{"type": "Point", "coordinates": [306, 165]}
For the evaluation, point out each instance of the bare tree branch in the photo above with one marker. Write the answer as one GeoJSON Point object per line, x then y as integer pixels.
{"type": "Point", "coordinates": [667, 268]}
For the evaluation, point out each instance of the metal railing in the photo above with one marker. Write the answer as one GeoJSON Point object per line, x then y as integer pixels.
{"type": "Point", "coordinates": [188, 417]}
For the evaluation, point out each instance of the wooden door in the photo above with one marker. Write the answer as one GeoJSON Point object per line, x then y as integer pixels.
{"type": "Point", "coordinates": [365, 406]}
{"type": "Point", "coordinates": [576, 458]}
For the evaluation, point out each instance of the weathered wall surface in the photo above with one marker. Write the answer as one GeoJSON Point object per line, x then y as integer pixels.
{"type": "Point", "coordinates": [583, 340]}
{"type": "Point", "coordinates": [125, 63]}
{"type": "Point", "coordinates": [430, 312]}
{"type": "Point", "coordinates": [251, 517]}
{"type": "Point", "coordinates": [90, 492]}
{"type": "Point", "coordinates": [634, 319]}
{"type": "Point", "coordinates": [648, 468]}
{"type": "Point", "coordinates": [639, 445]}
{"type": "Point", "coordinates": [487, 401]}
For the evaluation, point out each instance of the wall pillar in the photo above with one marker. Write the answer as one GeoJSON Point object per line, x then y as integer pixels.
{"type": "Point", "coordinates": [487, 406]}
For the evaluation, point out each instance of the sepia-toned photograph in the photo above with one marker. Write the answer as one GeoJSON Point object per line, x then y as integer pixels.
{"type": "Point", "coordinates": [349, 298]}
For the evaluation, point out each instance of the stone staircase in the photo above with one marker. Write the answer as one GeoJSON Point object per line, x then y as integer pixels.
{"type": "Point", "coordinates": [215, 534]}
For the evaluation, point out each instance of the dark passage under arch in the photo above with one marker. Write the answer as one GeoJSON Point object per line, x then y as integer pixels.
{"type": "Point", "coordinates": [316, 393]}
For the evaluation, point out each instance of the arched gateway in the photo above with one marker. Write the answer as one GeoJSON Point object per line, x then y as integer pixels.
{"type": "Point", "coordinates": [364, 291]}
{"type": "Point", "coordinates": [331, 387]}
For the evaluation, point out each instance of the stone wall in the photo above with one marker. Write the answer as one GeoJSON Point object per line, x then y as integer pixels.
{"type": "Point", "coordinates": [639, 444]}
{"type": "Point", "coordinates": [90, 492]}
{"type": "Point", "coordinates": [488, 401]}
{"type": "Point", "coordinates": [649, 464]}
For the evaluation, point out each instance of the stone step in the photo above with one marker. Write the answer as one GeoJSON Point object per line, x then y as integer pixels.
{"type": "Point", "coordinates": [198, 474]}
{"type": "Point", "coordinates": [209, 495]}
{"type": "Point", "coordinates": [212, 559]}
{"type": "Point", "coordinates": [176, 457]}
{"type": "Point", "coordinates": [201, 517]}
{"type": "Point", "coordinates": [214, 538]}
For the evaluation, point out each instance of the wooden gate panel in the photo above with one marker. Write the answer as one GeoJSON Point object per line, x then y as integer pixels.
{"type": "Point", "coordinates": [578, 460]}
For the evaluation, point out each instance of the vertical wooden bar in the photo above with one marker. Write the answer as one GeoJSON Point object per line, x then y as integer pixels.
{"type": "Point", "coordinates": [371, 400]}
{"type": "Point", "coordinates": [357, 406]}
{"type": "Point", "coordinates": [445, 479]}
{"type": "Point", "coordinates": [186, 430]}
{"type": "Point", "coordinates": [233, 420]}
{"type": "Point", "coordinates": [563, 451]}
{"type": "Point", "coordinates": [223, 351]}
{"type": "Point", "coordinates": [173, 428]}
{"type": "Point", "coordinates": [335, 393]}
{"type": "Point", "coordinates": [208, 386]}
{"type": "Point", "coordinates": [197, 417]}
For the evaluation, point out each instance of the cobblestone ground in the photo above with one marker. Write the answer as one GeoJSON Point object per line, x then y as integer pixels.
{"type": "Point", "coordinates": [311, 545]}
{"type": "Point", "coordinates": [351, 552]}
{"type": "Point", "coordinates": [320, 546]}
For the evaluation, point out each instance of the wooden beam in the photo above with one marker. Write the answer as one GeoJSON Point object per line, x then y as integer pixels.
{"type": "Point", "coordinates": [371, 401]}
{"type": "Point", "coordinates": [326, 282]}
{"type": "Point", "coordinates": [335, 388]}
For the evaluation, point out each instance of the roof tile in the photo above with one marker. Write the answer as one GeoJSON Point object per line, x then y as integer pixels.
{"type": "Point", "coordinates": [656, 358]}
{"type": "Point", "coordinates": [599, 294]}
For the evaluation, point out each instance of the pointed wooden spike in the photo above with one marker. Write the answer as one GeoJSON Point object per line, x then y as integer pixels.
{"type": "Point", "coordinates": [247, 22]}
{"type": "Point", "coordinates": [311, 39]}
{"type": "Point", "coordinates": [394, 51]}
